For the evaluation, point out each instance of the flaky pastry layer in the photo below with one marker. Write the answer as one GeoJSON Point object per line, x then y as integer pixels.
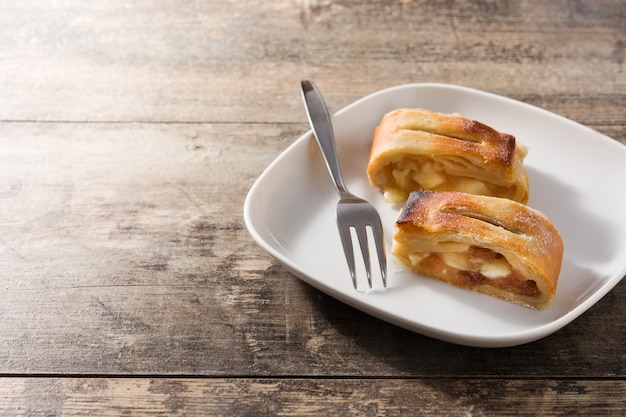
{"type": "Point", "coordinates": [415, 149]}
{"type": "Point", "coordinates": [491, 245]}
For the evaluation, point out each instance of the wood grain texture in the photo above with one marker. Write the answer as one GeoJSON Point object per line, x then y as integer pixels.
{"type": "Point", "coordinates": [130, 133]}
{"type": "Point", "coordinates": [239, 61]}
{"type": "Point", "coordinates": [309, 397]}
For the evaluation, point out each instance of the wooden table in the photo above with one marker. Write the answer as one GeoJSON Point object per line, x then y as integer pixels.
{"type": "Point", "coordinates": [130, 133]}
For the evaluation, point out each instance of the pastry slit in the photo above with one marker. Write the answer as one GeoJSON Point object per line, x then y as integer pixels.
{"type": "Point", "coordinates": [463, 211]}
{"type": "Point", "coordinates": [450, 135]}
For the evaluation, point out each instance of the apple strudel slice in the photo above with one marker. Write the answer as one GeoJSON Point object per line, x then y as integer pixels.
{"type": "Point", "coordinates": [417, 149]}
{"type": "Point", "coordinates": [491, 245]}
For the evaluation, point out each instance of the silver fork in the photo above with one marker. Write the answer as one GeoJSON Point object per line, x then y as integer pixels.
{"type": "Point", "coordinates": [352, 211]}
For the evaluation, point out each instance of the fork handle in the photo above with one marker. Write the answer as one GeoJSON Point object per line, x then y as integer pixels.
{"type": "Point", "coordinates": [319, 119]}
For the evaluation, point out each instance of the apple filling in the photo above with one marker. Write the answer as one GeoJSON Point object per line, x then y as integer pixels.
{"type": "Point", "coordinates": [418, 173]}
{"type": "Point", "coordinates": [473, 268]}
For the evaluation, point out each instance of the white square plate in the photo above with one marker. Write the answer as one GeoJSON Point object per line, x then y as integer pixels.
{"type": "Point", "coordinates": [576, 178]}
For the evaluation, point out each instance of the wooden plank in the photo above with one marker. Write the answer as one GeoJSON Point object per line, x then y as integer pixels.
{"type": "Point", "coordinates": [242, 61]}
{"type": "Point", "coordinates": [311, 397]}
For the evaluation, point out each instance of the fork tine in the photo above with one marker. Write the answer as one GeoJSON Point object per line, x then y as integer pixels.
{"type": "Point", "coordinates": [377, 231]}
{"type": "Point", "coordinates": [348, 250]}
{"type": "Point", "coordinates": [361, 233]}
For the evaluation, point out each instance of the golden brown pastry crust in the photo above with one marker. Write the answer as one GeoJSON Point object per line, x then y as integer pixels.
{"type": "Point", "coordinates": [417, 149]}
{"type": "Point", "coordinates": [487, 244]}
